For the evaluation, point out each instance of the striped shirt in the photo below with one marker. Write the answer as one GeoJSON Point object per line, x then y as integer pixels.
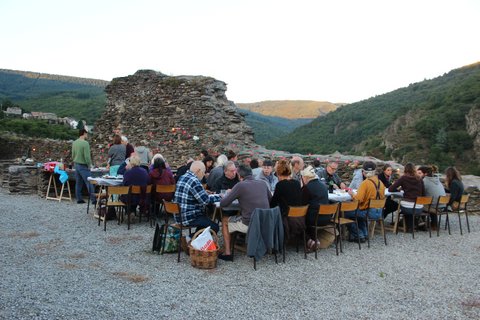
{"type": "Point", "coordinates": [191, 197]}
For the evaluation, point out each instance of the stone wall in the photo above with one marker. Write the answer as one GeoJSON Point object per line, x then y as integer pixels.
{"type": "Point", "coordinates": [175, 116]}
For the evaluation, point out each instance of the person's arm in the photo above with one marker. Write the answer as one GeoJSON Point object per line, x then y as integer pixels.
{"type": "Point", "coordinates": [230, 197]}
{"type": "Point", "coordinates": [87, 156]}
{"type": "Point", "coordinates": [394, 187]}
{"type": "Point", "coordinates": [202, 196]}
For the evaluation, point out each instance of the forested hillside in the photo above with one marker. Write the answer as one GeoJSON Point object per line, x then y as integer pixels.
{"type": "Point", "coordinates": [66, 96]}
{"type": "Point", "coordinates": [424, 122]}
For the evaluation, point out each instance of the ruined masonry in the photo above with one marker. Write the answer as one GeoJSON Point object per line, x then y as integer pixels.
{"type": "Point", "coordinates": [175, 116]}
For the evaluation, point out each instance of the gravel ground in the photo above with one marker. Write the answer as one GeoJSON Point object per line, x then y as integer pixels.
{"type": "Point", "coordinates": [58, 264]}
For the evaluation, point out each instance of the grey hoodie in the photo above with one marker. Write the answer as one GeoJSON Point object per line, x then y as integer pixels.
{"type": "Point", "coordinates": [434, 188]}
{"type": "Point", "coordinates": [144, 154]}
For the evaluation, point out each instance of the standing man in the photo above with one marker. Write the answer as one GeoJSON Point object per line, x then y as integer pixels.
{"type": "Point", "coordinates": [83, 161]}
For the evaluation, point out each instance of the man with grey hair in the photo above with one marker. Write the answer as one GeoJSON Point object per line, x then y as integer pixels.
{"type": "Point", "coordinates": [297, 166]}
{"type": "Point", "coordinates": [251, 194]}
{"type": "Point", "coordinates": [228, 179]}
{"type": "Point", "coordinates": [192, 198]}
{"type": "Point", "coordinates": [216, 172]}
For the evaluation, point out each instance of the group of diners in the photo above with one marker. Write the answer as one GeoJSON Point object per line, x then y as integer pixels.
{"type": "Point", "coordinates": [264, 184]}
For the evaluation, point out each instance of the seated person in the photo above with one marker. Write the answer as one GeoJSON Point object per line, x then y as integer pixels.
{"type": "Point", "coordinates": [370, 188]}
{"type": "Point", "coordinates": [136, 176]}
{"type": "Point", "coordinates": [216, 172]}
{"type": "Point", "coordinates": [455, 187]}
{"type": "Point", "coordinates": [413, 187]}
{"type": "Point", "coordinates": [434, 189]}
{"type": "Point", "coordinates": [192, 198]}
{"type": "Point", "coordinates": [330, 177]}
{"type": "Point", "coordinates": [268, 176]}
{"type": "Point", "coordinates": [314, 193]}
{"type": "Point", "coordinates": [161, 176]}
{"type": "Point", "coordinates": [251, 194]}
{"type": "Point", "coordinates": [183, 169]}
{"type": "Point", "coordinates": [228, 179]}
{"type": "Point", "coordinates": [287, 193]}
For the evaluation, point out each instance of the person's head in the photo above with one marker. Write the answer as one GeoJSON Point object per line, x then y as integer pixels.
{"type": "Point", "coordinates": [82, 133]}
{"type": "Point", "coordinates": [221, 160]}
{"type": "Point", "coordinates": [124, 140]}
{"type": "Point", "coordinates": [117, 139]}
{"type": "Point", "coordinates": [451, 173]}
{"type": "Point", "coordinates": [158, 156]}
{"type": "Point", "coordinates": [409, 170]}
{"type": "Point", "coordinates": [267, 168]}
{"type": "Point", "coordinates": [159, 164]}
{"type": "Point", "coordinates": [332, 167]}
{"type": "Point", "coordinates": [134, 161]}
{"type": "Point", "coordinates": [244, 171]}
{"type": "Point", "coordinates": [308, 174]}
{"type": "Point", "coordinates": [230, 170]}
{"type": "Point", "coordinates": [387, 170]}
{"type": "Point", "coordinates": [254, 163]}
{"type": "Point", "coordinates": [198, 169]}
{"type": "Point", "coordinates": [423, 171]}
{"type": "Point", "coordinates": [203, 154]}
{"type": "Point", "coordinates": [283, 168]}
{"type": "Point", "coordinates": [369, 168]}
{"type": "Point", "coordinates": [247, 161]}
{"type": "Point", "coordinates": [316, 163]}
{"type": "Point", "coordinates": [231, 156]}
{"type": "Point", "coordinates": [208, 161]}
{"type": "Point", "coordinates": [297, 164]}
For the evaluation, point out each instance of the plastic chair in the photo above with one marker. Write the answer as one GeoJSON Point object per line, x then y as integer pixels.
{"type": "Point", "coordinates": [348, 206]}
{"type": "Point", "coordinates": [113, 200]}
{"type": "Point", "coordinates": [327, 210]}
{"type": "Point", "coordinates": [296, 213]}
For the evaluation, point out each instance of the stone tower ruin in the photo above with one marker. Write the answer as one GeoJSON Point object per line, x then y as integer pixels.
{"type": "Point", "coordinates": [175, 116]}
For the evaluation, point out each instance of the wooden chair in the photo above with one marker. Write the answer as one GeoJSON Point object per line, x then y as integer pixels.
{"type": "Point", "coordinates": [173, 209]}
{"type": "Point", "coordinates": [327, 210]}
{"type": "Point", "coordinates": [423, 201]}
{"type": "Point", "coordinates": [113, 200]}
{"type": "Point", "coordinates": [344, 207]}
{"type": "Point", "coordinates": [296, 213]}
{"type": "Point", "coordinates": [375, 204]}
{"type": "Point", "coordinates": [158, 203]}
{"type": "Point", "coordinates": [462, 206]}
{"type": "Point", "coordinates": [145, 194]}
{"type": "Point", "coordinates": [439, 212]}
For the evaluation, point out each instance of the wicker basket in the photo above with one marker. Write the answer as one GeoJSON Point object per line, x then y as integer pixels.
{"type": "Point", "coordinates": [204, 259]}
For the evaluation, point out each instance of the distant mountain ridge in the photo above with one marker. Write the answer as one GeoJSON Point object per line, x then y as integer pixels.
{"type": "Point", "coordinates": [430, 122]}
{"type": "Point", "coordinates": [56, 77]}
{"type": "Point", "coordinates": [291, 109]}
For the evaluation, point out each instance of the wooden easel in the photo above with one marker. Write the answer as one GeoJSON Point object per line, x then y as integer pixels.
{"type": "Point", "coordinates": [58, 196]}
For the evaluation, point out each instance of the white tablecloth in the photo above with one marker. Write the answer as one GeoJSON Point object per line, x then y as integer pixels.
{"type": "Point", "coordinates": [107, 182]}
{"type": "Point", "coordinates": [344, 196]}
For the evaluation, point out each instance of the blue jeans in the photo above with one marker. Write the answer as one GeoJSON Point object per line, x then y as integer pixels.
{"type": "Point", "coordinates": [362, 231]}
{"type": "Point", "coordinates": [203, 222]}
{"type": "Point", "coordinates": [82, 172]}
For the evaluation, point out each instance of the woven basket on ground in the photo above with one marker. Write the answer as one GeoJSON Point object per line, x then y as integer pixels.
{"type": "Point", "coordinates": [204, 259]}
